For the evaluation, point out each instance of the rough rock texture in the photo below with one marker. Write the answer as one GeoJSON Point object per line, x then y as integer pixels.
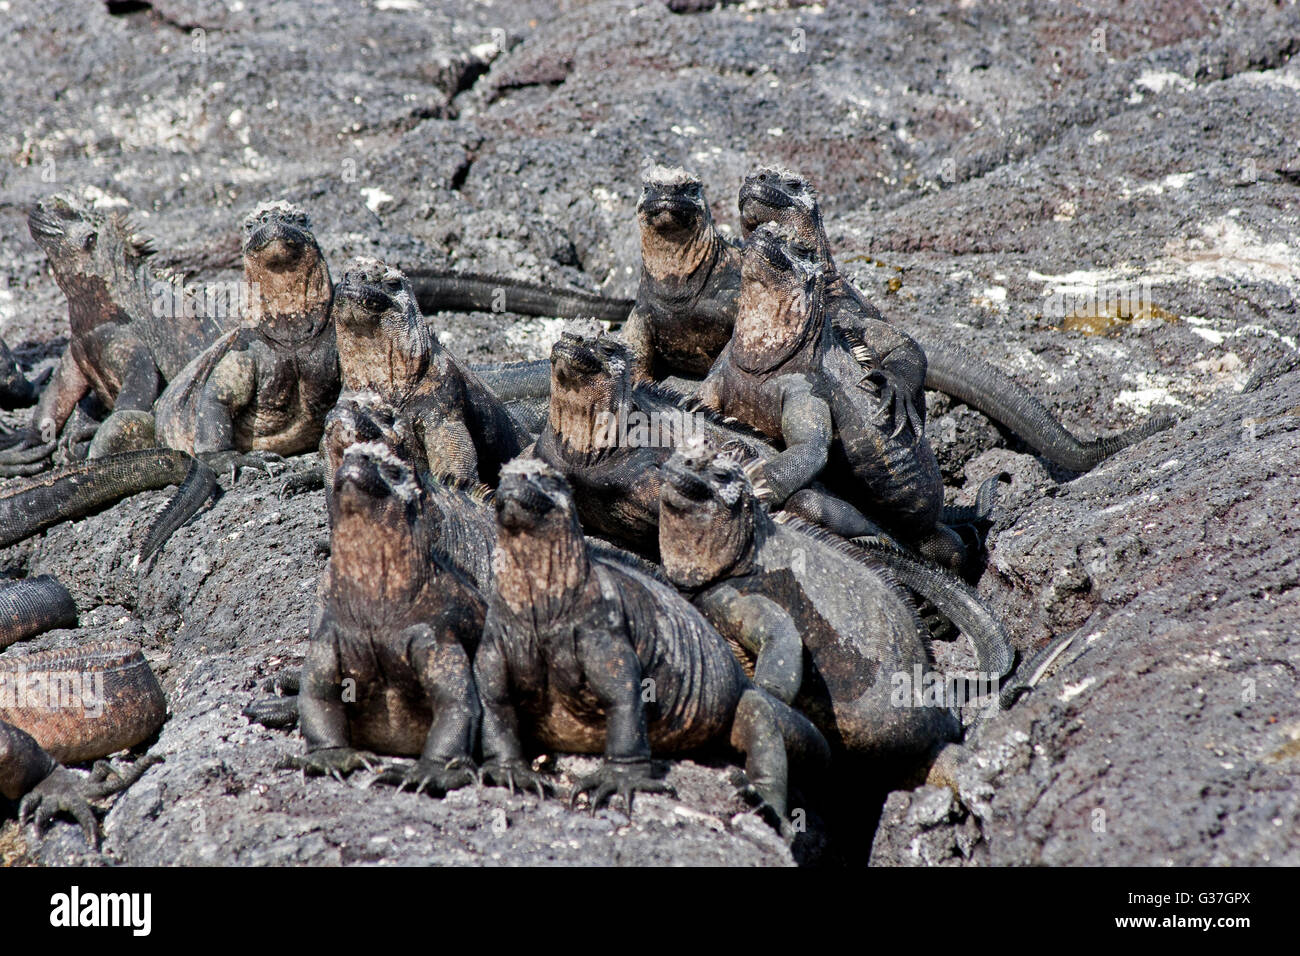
{"type": "Point", "coordinates": [989, 172]}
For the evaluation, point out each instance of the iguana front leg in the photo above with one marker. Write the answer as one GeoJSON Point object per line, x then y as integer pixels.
{"type": "Point", "coordinates": [449, 448]}
{"type": "Point", "coordinates": [230, 388]}
{"type": "Point", "coordinates": [321, 713]}
{"type": "Point", "coordinates": [806, 430]}
{"type": "Point", "coordinates": [504, 764]}
{"type": "Point", "coordinates": [445, 674]}
{"type": "Point", "coordinates": [639, 336]}
{"type": "Point", "coordinates": [613, 673]}
{"type": "Point", "coordinates": [763, 628]}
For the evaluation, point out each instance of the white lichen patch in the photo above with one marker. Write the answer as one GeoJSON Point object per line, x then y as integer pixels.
{"type": "Point", "coordinates": [375, 197]}
{"type": "Point", "coordinates": [1157, 81]}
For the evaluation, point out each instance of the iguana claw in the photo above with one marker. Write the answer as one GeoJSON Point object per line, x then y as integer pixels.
{"type": "Point", "coordinates": [60, 792]}
{"type": "Point", "coordinates": [336, 762]}
{"type": "Point", "coordinates": [621, 779]}
{"type": "Point", "coordinates": [432, 776]}
{"type": "Point", "coordinates": [517, 775]}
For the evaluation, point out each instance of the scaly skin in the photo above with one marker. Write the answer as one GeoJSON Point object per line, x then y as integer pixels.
{"type": "Point", "coordinates": [398, 626]}
{"type": "Point", "coordinates": [772, 194]}
{"type": "Point", "coordinates": [33, 605]}
{"type": "Point", "coordinates": [116, 703]}
{"type": "Point", "coordinates": [452, 424]}
{"type": "Point", "coordinates": [15, 390]}
{"type": "Point", "coordinates": [81, 488]}
{"type": "Point", "coordinates": [787, 375]}
{"type": "Point", "coordinates": [792, 604]}
{"type": "Point", "coordinates": [267, 386]}
{"type": "Point", "coordinates": [571, 644]}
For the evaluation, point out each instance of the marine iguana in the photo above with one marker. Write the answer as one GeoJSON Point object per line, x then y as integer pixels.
{"type": "Point", "coordinates": [124, 341]}
{"type": "Point", "coordinates": [825, 632]}
{"type": "Point", "coordinates": [70, 706]}
{"type": "Point", "coordinates": [83, 487]}
{"type": "Point", "coordinates": [398, 625]}
{"type": "Point", "coordinates": [776, 195]}
{"type": "Point", "coordinates": [584, 655]}
{"type": "Point", "coordinates": [454, 425]}
{"type": "Point", "coordinates": [686, 300]}
{"type": "Point", "coordinates": [786, 374]}
{"type": "Point", "coordinates": [266, 386]}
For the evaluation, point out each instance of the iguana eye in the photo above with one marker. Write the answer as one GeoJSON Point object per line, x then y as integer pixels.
{"type": "Point", "coordinates": [88, 243]}
{"type": "Point", "coordinates": [393, 285]}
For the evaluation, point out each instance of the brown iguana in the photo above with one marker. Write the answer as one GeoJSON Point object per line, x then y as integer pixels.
{"type": "Point", "coordinates": [774, 194]}
{"type": "Point", "coordinates": [70, 706]}
{"type": "Point", "coordinates": [823, 626]}
{"type": "Point", "coordinates": [397, 626]}
{"type": "Point", "coordinates": [583, 655]}
{"type": "Point", "coordinates": [451, 423]}
{"type": "Point", "coordinates": [267, 385]}
{"type": "Point", "coordinates": [786, 374]}
{"type": "Point", "coordinates": [126, 338]}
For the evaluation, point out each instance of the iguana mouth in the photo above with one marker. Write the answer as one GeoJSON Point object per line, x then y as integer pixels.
{"type": "Point", "coordinates": [279, 244]}
{"type": "Point", "coordinates": [519, 504]}
{"type": "Point", "coordinates": [682, 486]}
{"type": "Point", "coordinates": [669, 208]}
{"type": "Point", "coordinates": [759, 201]}
{"type": "Point", "coordinates": [369, 297]}
{"type": "Point", "coordinates": [574, 358]}
{"type": "Point", "coordinates": [45, 223]}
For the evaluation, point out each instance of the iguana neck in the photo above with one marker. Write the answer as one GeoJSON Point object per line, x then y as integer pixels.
{"type": "Point", "coordinates": [585, 420]}
{"type": "Point", "coordinates": [541, 577]}
{"type": "Point", "coordinates": [775, 326]}
{"type": "Point", "coordinates": [675, 270]}
{"type": "Point", "coordinates": [390, 364]}
{"type": "Point", "coordinates": [374, 570]}
{"type": "Point", "coordinates": [291, 307]}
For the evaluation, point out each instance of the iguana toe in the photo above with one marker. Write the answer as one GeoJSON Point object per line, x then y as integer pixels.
{"type": "Point", "coordinates": [60, 792]}
{"type": "Point", "coordinates": [434, 777]}
{"type": "Point", "coordinates": [517, 775]}
{"type": "Point", "coordinates": [622, 779]}
{"type": "Point", "coordinates": [336, 762]}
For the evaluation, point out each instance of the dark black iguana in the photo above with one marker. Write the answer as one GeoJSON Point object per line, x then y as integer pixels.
{"type": "Point", "coordinates": [787, 375]}
{"type": "Point", "coordinates": [825, 632]}
{"type": "Point", "coordinates": [83, 487]}
{"type": "Point", "coordinates": [777, 195]}
{"type": "Point", "coordinates": [70, 706]}
{"type": "Point", "coordinates": [451, 423]}
{"type": "Point", "coordinates": [127, 335]}
{"type": "Point", "coordinates": [388, 667]}
{"type": "Point", "coordinates": [266, 386]}
{"type": "Point", "coordinates": [583, 655]}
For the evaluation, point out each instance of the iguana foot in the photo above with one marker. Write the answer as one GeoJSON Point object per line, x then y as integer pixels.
{"type": "Point", "coordinates": [233, 461]}
{"type": "Point", "coordinates": [761, 807]}
{"type": "Point", "coordinates": [106, 779]}
{"type": "Point", "coordinates": [517, 775]}
{"type": "Point", "coordinates": [27, 456]}
{"type": "Point", "coordinates": [309, 479]}
{"type": "Point", "coordinates": [895, 406]}
{"type": "Point", "coordinates": [277, 713]}
{"type": "Point", "coordinates": [435, 777]}
{"type": "Point", "coordinates": [623, 779]}
{"type": "Point", "coordinates": [60, 792]}
{"type": "Point", "coordinates": [336, 762]}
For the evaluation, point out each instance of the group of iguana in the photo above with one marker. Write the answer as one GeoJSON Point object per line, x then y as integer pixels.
{"type": "Point", "coordinates": [721, 529]}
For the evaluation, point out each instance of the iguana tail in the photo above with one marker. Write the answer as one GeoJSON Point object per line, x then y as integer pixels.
{"type": "Point", "coordinates": [985, 499]}
{"type": "Point", "coordinates": [955, 600]}
{"type": "Point", "coordinates": [86, 486]}
{"type": "Point", "coordinates": [32, 606]}
{"type": "Point", "coordinates": [516, 381]}
{"type": "Point", "coordinates": [443, 290]}
{"type": "Point", "coordinates": [985, 388]}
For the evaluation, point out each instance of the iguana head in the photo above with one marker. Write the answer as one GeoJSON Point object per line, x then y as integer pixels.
{"type": "Point", "coordinates": [541, 555]}
{"type": "Point", "coordinates": [289, 282]}
{"type": "Point", "coordinates": [383, 341]}
{"type": "Point", "coordinates": [779, 195]}
{"type": "Point", "coordinates": [780, 308]}
{"type": "Point", "coordinates": [590, 376]}
{"type": "Point", "coordinates": [708, 510]}
{"type": "Point", "coordinates": [379, 541]}
{"type": "Point", "coordinates": [95, 256]}
{"type": "Point", "coordinates": [677, 231]}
